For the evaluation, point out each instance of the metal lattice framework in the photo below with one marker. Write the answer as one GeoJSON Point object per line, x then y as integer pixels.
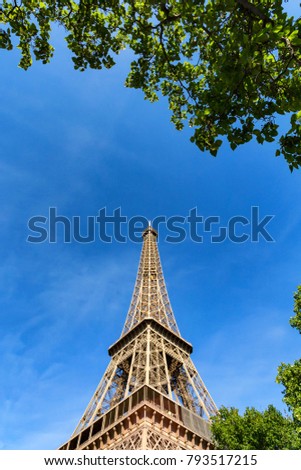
{"type": "Point", "coordinates": [146, 437]}
{"type": "Point", "coordinates": [150, 353]}
{"type": "Point", "coordinates": [150, 298]}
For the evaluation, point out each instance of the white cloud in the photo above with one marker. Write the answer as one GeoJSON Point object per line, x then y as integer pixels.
{"type": "Point", "coordinates": [41, 375]}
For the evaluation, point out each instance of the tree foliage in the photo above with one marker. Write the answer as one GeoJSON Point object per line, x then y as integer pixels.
{"type": "Point", "coordinates": [289, 375]}
{"type": "Point", "coordinates": [254, 430]}
{"type": "Point", "coordinates": [295, 321]}
{"type": "Point", "coordinates": [229, 68]}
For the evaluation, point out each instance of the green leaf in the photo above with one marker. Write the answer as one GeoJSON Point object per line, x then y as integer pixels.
{"type": "Point", "coordinates": [224, 69]}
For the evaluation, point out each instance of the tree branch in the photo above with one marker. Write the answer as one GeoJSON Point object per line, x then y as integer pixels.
{"type": "Point", "coordinates": [250, 8]}
{"type": "Point", "coordinates": [208, 32]}
{"type": "Point", "coordinates": [291, 50]}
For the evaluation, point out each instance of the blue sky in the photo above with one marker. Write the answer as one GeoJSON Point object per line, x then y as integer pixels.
{"type": "Point", "coordinates": [80, 142]}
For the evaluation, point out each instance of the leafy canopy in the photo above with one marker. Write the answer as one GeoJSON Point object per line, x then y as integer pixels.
{"type": "Point", "coordinates": [289, 375]}
{"type": "Point", "coordinates": [229, 68]}
{"type": "Point", "coordinates": [254, 430]}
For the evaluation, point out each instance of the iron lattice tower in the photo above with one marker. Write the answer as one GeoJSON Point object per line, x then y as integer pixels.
{"type": "Point", "coordinates": [151, 395]}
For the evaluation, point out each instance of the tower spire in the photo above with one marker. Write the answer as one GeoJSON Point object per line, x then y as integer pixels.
{"type": "Point", "coordinates": [151, 395]}
{"type": "Point", "coordinates": [150, 298]}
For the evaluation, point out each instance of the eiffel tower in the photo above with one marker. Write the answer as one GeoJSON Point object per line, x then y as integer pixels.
{"type": "Point", "coordinates": [151, 395]}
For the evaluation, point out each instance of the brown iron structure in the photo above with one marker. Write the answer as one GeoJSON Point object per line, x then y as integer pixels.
{"type": "Point", "coordinates": [151, 395]}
